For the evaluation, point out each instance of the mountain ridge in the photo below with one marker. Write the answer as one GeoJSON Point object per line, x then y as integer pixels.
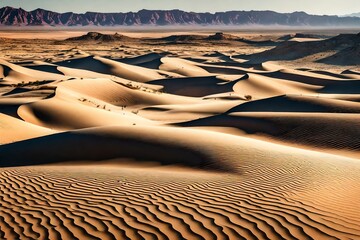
{"type": "Point", "coordinates": [10, 16]}
{"type": "Point", "coordinates": [353, 15]}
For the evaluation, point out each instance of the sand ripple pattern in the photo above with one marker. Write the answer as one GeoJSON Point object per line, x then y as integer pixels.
{"type": "Point", "coordinates": [70, 203]}
{"type": "Point", "coordinates": [182, 137]}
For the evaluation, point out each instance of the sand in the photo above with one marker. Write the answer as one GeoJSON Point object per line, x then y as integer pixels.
{"type": "Point", "coordinates": [150, 139]}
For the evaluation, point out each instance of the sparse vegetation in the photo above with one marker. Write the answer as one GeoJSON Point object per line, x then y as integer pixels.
{"type": "Point", "coordinates": [248, 97]}
{"type": "Point", "coordinates": [132, 86]}
{"type": "Point", "coordinates": [28, 84]}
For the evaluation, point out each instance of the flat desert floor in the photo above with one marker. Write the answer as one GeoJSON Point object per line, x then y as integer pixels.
{"type": "Point", "coordinates": [179, 135]}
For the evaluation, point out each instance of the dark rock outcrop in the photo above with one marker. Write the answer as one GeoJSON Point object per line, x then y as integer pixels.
{"type": "Point", "coordinates": [95, 36]}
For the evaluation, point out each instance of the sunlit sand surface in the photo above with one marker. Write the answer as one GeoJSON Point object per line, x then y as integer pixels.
{"type": "Point", "coordinates": [179, 136]}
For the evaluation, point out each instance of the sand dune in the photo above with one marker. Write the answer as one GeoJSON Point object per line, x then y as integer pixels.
{"type": "Point", "coordinates": [299, 103]}
{"type": "Point", "coordinates": [150, 60]}
{"type": "Point", "coordinates": [181, 66]}
{"type": "Point", "coordinates": [119, 94]}
{"type": "Point", "coordinates": [108, 137]}
{"type": "Point", "coordinates": [191, 205]}
{"type": "Point", "coordinates": [64, 115]}
{"type": "Point", "coordinates": [338, 132]}
{"type": "Point", "coordinates": [351, 72]}
{"type": "Point", "coordinates": [260, 86]}
{"type": "Point", "coordinates": [13, 130]}
{"type": "Point", "coordinates": [195, 86]}
{"type": "Point", "coordinates": [347, 56]}
{"type": "Point", "coordinates": [11, 73]}
{"type": "Point", "coordinates": [106, 66]}
{"type": "Point", "coordinates": [297, 48]}
{"type": "Point", "coordinates": [9, 105]}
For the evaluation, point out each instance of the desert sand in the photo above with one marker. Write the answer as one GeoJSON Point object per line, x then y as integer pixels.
{"type": "Point", "coordinates": [179, 135]}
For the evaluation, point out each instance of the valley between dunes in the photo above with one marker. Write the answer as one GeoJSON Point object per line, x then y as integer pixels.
{"type": "Point", "coordinates": [180, 137]}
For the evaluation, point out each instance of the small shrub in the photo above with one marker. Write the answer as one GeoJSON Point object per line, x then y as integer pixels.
{"type": "Point", "coordinates": [248, 97]}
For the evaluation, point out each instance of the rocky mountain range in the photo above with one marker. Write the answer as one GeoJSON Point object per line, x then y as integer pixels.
{"type": "Point", "coordinates": [39, 17]}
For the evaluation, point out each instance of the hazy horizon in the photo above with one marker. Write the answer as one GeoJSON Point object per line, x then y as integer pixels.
{"type": "Point", "coordinates": [330, 7]}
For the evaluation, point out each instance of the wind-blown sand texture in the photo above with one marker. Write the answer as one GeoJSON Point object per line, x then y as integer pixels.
{"type": "Point", "coordinates": [192, 139]}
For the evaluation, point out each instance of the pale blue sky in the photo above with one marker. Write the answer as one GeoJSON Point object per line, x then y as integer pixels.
{"type": "Point", "coordinates": [331, 7]}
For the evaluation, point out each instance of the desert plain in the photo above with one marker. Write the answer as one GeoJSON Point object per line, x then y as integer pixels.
{"type": "Point", "coordinates": [179, 135]}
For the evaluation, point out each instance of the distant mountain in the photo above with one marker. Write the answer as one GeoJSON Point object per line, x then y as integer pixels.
{"type": "Point", "coordinates": [39, 17]}
{"type": "Point", "coordinates": [353, 15]}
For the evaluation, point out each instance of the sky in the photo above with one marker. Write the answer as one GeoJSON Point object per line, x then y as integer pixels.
{"type": "Point", "coordinates": [320, 7]}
